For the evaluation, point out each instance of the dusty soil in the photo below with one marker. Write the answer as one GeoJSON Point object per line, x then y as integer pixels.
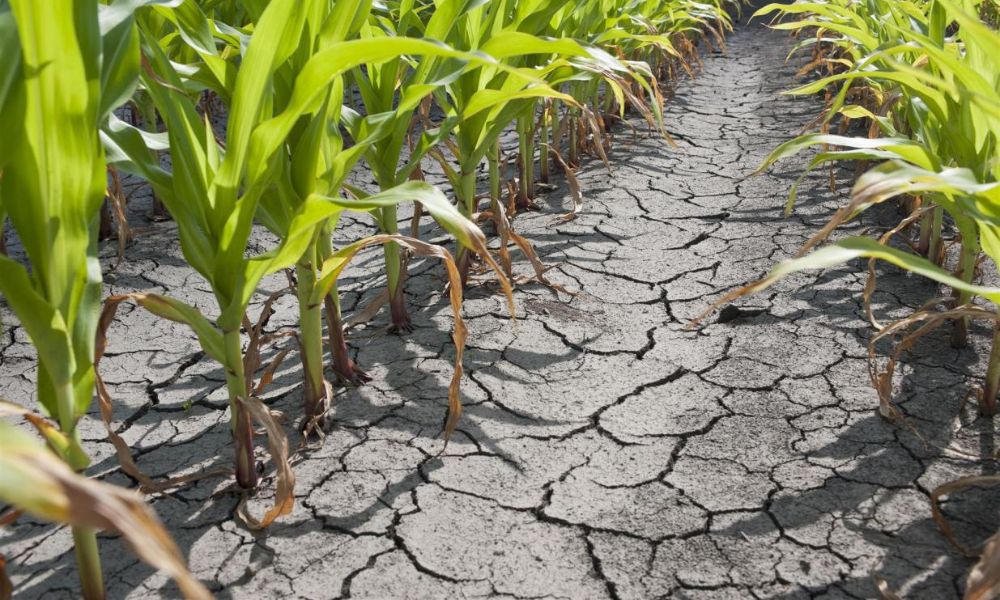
{"type": "Point", "coordinates": [605, 451]}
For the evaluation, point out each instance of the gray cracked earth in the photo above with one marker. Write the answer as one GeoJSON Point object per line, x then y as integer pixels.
{"type": "Point", "coordinates": [605, 451]}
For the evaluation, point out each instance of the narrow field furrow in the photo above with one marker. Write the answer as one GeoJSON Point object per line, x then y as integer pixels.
{"type": "Point", "coordinates": [606, 450]}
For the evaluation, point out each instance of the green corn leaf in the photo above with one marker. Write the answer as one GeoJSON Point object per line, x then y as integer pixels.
{"type": "Point", "coordinates": [896, 179]}
{"type": "Point", "coordinates": [43, 323]}
{"type": "Point", "coordinates": [120, 54]}
{"type": "Point", "coordinates": [862, 247]}
{"type": "Point", "coordinates": [319, 72]}
{"type": "Point", "coordinates": [508, 44]}
{"type": "Point", "coordinates": [433, 200]}
{"type": "Point", "coordinates": [487, 99]}
{"type": "Point", "coordinates": [209, 336]}
{"type": "Point", "coordinates": [901, 147]}
{"type": "Point", "coordinates": [275, 36]}
{"type": "Point", "coordinates": [933, 98]}
{"type": "Point", "coordinates": [11, 83]}
{"type": "Point", "coordinates": [59, 165]}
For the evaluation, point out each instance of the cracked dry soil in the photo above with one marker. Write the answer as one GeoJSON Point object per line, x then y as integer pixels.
{"type": "Point", "coordinates": [605, 452]}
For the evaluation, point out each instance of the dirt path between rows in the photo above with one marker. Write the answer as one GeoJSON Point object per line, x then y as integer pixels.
{"type": "Point", "coordinates": [605, 452]}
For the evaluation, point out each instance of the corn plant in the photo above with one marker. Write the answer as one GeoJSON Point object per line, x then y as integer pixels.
{"type": "Point", "coordinates": [312, 162]}
{"type": "Point", "coordinates": [929, 76]}
{"type": "Point", "coordinates": [66, 66]}
{"type": "Point", "coordinates": [380, 86]}
{"type": "Point", "coordinates": [213, 196]}
{"type": "Point", "coordinates": [484, 103]}
{"type": "Point", "coordinates": [939, 107]}
{"type": "Point", "coordinates": [315, 163]}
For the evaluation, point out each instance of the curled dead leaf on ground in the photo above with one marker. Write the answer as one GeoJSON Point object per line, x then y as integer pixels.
{"type": "Point", "coordinates": [369, 311]}
{"type": "Point", "coordinates": [871, 282]}
{"type": "Point", "coordinates": [506, 233]}
{"type": "Point", "coordinates": [990, 572]}
{"type": "Point", "coordinates": [884, 590]}
{"type": "Point", "coordinates": [928, 318]}
{"type": "Point", "coordinates": [44, 486]}
{"type": "Point", "coordinates": [314, 425]}
{"type": "Point", "coordinates": [277, 441]}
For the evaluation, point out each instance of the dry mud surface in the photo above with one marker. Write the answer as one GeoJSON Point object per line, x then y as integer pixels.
{"type": "Point", "coordinates": [605, 451]}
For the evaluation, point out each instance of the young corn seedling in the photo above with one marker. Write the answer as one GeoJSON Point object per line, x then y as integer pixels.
{"type": "Point", "coordinates": [465, 232]}
{"type": "Point", "coordinates": [301, 215]}
{"type": "Point", "coordinates": [66, 66]}
{"type": "Point", "coordinates": [485, 102]}
{"type": "Point", "coordinates": [392, 92]}
{"type": "Point", "coordinates": [950, 159]}
{"type": "Point", "coordinates": [313, 163]}
{"type": "Point", "coordinates": [213, 197]}
{"type": "Point", "coordinates": [933, 87]}
{"type": "Point", "coordinates": [316, 162]}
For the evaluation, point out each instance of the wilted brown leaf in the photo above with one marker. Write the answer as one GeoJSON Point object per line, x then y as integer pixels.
{"type": "Point", "coordinates": [277, 441]}
{"type": "Point", "coordinates": [48, 489]}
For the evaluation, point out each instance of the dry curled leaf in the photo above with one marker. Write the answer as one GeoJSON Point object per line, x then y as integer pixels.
{"type": "Point", "coordinates": [885, 591]}
{"type": "Point", "coordinates": [336, 264]}
{"type": "Point", "coordinates": [872, 280]}
{"type": "Point", "coordinates": [368, 313]}
{"type": "Point", "coordinates": [258, 341]}
{"type": "Point", "coordinates": [277, 441]}
{"type": "Point", "coordinates": [574, 186]}
{"type": "Point", "coordinates": [988, 572]}
{"type": "Point", "coordinates": [48, 489]}
{"type": "Point", "coordinates": [118, 203]}
{"type": "Point", "coordinates": [928, 319]}
{"type": "Point", "coordinates": [506, 233]}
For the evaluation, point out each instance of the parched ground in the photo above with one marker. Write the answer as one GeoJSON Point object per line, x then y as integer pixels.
{"type": "Point", "coordinates": [605, 451]}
